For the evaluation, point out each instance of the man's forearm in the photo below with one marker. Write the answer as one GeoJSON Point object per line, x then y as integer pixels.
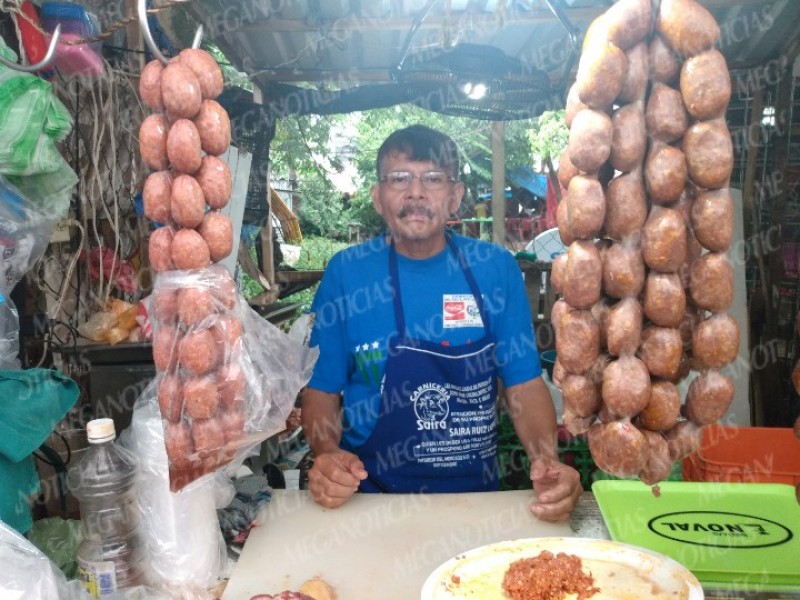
{"type": "Point", "coordinates": [321, 421]}
{"type": "Point", "coordinates": [534, 417]}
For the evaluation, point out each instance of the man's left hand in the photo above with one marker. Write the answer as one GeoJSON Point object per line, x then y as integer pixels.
{"type": "Point", "coordinates": [557, 487]}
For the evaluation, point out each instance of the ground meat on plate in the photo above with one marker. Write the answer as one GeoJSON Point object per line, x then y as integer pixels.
{"type": "Point", "coordinates": [548, 576]}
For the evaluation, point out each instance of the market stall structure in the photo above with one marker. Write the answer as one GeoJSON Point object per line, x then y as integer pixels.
{"type": "Point", "coordinates": [314, 58]}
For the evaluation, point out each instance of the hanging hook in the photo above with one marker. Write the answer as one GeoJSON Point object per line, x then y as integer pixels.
{"type": "Point", "coordinates": [42, 64]}
{"type": "Point", "coordinates": [141, 8]}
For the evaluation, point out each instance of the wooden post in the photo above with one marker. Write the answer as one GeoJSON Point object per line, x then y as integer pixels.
{"type": "Point", "coordinates": [498, 183]}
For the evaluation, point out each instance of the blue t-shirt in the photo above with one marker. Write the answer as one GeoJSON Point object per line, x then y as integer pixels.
{"type": "Point", "coordinates": [354, 318]}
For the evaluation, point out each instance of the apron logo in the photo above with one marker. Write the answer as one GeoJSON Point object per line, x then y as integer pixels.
{"type": "Point", "coordinates": [454, 310]}
{"type": "Point", "coordinates": [431, 405]}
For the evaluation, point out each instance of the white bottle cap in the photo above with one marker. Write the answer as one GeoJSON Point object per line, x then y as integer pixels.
{"type": "Point", "coordinates": [100, 430]}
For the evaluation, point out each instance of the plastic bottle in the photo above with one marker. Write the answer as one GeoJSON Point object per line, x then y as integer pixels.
{"type": "Point", "coordinates": [110, 555]}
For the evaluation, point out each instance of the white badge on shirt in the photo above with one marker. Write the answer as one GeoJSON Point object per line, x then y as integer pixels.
{"type": "Point", "coordinates": [460, 310]}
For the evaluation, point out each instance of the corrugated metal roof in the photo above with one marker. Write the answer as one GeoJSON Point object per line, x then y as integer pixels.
{"type": "Point", "coordinates": [341, 44]}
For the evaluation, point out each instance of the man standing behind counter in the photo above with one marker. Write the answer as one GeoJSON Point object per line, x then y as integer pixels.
{"type": "Point", "coordinates": [414, 328]}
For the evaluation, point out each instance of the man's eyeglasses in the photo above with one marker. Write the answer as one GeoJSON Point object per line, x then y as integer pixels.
{"type": "Point", "coordinates": [430, 180]}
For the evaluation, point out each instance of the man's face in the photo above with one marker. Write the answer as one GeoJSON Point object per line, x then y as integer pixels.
{"type": "Point", "coordinates": [416, 215]}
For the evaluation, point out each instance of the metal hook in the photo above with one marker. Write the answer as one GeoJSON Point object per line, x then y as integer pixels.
{"type": "Point", "coordinates": [141, 8]}
{"type": "Point", "coordinates": [42, 64]}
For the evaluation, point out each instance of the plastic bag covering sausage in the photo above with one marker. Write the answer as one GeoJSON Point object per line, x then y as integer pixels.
{"type": "Point", "coordinates": [664, 64]}
{"type": "Point", "coordinates": [711, 282]}
{"type": "Point", "coordinates": [586, 208]}
{"type": "Point", "coordinates": [207, 435]}
{"type": "Point", "coordinates": [664, 240]}
{"type": "Point", "coordinates": [562, 220]}
{"type": "Point", "coordinates": [635, 84]}
{"type": "Point", "coordinates": [183, 146]}
{"type": "Point", "coordinates": [227, 330]}
{"type": "Point", "coordinates": [580, 395]}
{"type": "Point", "coordinates": [626, 449]}
{"type": "Point", "coordinates": [658, 465]}
{"type": "Point", "coordinates": [187, 205]}
{"type": "Point", "coordinates": [590, 140]}
{"type": "Point", "coordinates": [217, 231]}
{"type": "Point", "coordinates": [195, 305]}
{"type": "Point", "coordinates": [706, 85]}
{"type": "Point", "coordinates": [715, 341]}
{"type": "Point", "coordinates": [583, 275]}
{"type": "Point", "coordinates": [214, 126]}
{"type": "Point", "coordinates": [215, 180]}
{"type": "Point", "coordinates": [159, 249]}
{"type": "Point", "coordinates": [664, 407]}
{"type": "Point", "coordinates": [622, 327]}
{"type": "Point", "coordinates": [712, 219]}
{"type": "Point", "coordinates": [626, 387]}
{"type": "Point", "coordinates": [189, 250]}
{"type": "Point", "coordinates": [664, 299]}
{"type": "Point", "coordinates": [665, 172]}
{"type": "Point", "coordinates": [198, 352]}
{"type": "Point", "coordinates": [577, 341]}
{"type": "Point", "coordinates": [232, 422]}
{"type": "Point", "coordinates": [557, 269]}
{"type": "Point", "coordinates": [150, 85]}
{"type": "Point", "coordinates": [709, 398]}
{"type": "Point", "coordinates": [627, 22]}
{"type": "Point", "coordinates": [178, 441]}
{"type": "Point", "coordinates": [626, 206]}
{"type": "Point", "coordinates": [170, 397]}
{"type": "Point", "coordinates": [200, 397]}
{"type": "Point", "coordinates": [180, 90]}
{"type": "Point", "coordinates": [566, 170]}
{"type": "Point", "coordinates": [629, 138]}
{"type": "Point", "coordinates": [155, 196]}
{"type": "Point", "coordinates": [601, 73]}
{"type": "Point", "coordinates": [665, 115]}
{"type": "Point", "coordinates": [683, 439]}
{"type": "Point", "coordinates": [206, 69]}
{"type": "Point", "coordinates": [709, 153]}
{"type": "Point", "coordinates": [231, 385]}
{"type": "Point", "coordinates": [164, 305]}
{"type": "Point", "coordinates": [661, 351]}
{"type": "Point", "coordinates": [165, 348]}
{"type": "Point", "coordinates": [153, 142]}
{"type": "Point", "coordinates": [687, 26]}
{"type": "Point", "coordinates": [573, 104]}
{"type": "Point", "coordinates": [623, 270]}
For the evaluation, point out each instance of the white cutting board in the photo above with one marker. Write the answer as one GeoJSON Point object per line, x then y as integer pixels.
{"type": "Point", "coordinates": [376, 546]}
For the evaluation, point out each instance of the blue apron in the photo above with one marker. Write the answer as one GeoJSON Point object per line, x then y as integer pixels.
{"type": "Point", "coordinates": [436, 430]}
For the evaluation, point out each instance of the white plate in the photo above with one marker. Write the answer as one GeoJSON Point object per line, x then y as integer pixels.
{"type": "Point", "coordinates": [621, 571]}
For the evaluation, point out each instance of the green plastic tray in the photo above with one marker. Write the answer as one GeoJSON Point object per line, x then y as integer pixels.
{"type": "Point", "coordinates": [741, 535]}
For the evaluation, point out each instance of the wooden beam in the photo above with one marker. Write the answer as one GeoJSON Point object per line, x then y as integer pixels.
{"type": "Point", "coordinates": [498, 182]}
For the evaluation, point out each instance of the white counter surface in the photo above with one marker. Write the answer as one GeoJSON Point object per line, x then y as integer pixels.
{"type": "Point", "coordinates": [375, 547]}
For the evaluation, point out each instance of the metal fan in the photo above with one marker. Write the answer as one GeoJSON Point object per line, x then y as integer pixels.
{"type": "Point", "coordinates": [474, 80]}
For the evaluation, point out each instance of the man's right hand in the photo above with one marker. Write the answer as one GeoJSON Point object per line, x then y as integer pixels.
{"type": "Point", "coordinates": [334, 477]}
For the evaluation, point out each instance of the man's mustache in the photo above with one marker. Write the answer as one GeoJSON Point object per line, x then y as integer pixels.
{"type": "Point", "coordinates": [415, 209]}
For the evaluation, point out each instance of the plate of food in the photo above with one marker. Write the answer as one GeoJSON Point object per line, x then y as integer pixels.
{"type": "Point", "coordinates": [561, 569]}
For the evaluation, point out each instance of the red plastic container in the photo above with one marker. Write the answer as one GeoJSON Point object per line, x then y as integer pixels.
{"type": "Point", "coordinates": [745, 454]}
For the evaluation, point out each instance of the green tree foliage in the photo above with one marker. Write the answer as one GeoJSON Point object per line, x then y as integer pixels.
{"type": "Point", "coordinates": [550, 135]}
{"type": "Point", "coordinates": [302, 148]}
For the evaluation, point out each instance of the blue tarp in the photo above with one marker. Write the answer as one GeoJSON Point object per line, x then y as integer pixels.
{"type": "Point", "coordinates": [527, 178]}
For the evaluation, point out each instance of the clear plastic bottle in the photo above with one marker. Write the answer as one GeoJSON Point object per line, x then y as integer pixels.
{"type": "Point", "coordinates": [110, 555]}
